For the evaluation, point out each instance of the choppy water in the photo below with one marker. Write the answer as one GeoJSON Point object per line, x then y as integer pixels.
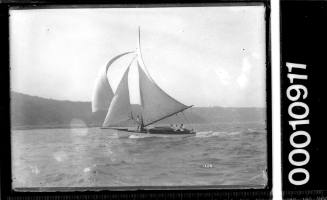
{"type": "Point", "coordinates": [219, 154]}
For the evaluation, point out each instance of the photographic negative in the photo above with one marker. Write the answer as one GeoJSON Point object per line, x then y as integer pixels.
{"type": "Point", "coordinates": [139, 98]}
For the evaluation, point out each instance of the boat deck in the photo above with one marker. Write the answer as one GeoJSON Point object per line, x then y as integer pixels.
{"type": "Point", "coordinates": [155, 130]}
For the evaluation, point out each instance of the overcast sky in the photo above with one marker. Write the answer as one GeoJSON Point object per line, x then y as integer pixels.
{"type": "Point", "coordinates": [205, 56]}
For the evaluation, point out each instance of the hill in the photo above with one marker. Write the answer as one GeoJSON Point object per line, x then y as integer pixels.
{"type": "Point", "coordinates": [35, 112]}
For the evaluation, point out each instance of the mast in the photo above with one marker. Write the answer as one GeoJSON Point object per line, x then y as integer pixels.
{"type": "Point", "coordinates": [140, 57]}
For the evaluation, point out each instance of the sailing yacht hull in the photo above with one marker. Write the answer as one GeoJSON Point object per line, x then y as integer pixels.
{"type": "Point", "coordinates": [156, 131]}
{"type": "Point", "coordinates": [170, 131]}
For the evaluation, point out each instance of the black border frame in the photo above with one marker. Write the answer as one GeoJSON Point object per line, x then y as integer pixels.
{"type": "Point", "coordinates": [200, 193]}
{"type": "Point", "coordinates": [303, 40]}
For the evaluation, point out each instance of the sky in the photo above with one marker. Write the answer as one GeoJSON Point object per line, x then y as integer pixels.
{"type": "Point", "coordinates": [201, 56]}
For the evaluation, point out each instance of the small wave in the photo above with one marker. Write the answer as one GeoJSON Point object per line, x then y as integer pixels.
{"type": "Point", "coordinates": [208, 134]}
{"type": "Point", "coordinates": [251, 130]}
{"type": "Point", "coordinates": [216, 133]}
{"type": "Point", "coordinates": [235, 133]}
{"type": "Point", "coordinates": [113, 136]}
{"type": "Point", "coordinates": [136, 136]}
{"type": "Point", "coordinates": [87, 169]}
{"type": "Point", "coordinates": [255, 131]}
{"type": "Point", "coordinates": [118, 163]}
{"type": "Point", "coordinates": [60, 156]}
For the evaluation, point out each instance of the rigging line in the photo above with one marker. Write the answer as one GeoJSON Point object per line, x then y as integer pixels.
{"type": "Point", "coordinates": [187, 121]}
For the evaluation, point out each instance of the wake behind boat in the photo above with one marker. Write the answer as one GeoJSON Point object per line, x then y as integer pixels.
{"type": "Point", "coordinates": [155, 103]}
{"type": "Point", "coordinates": [166, 130]}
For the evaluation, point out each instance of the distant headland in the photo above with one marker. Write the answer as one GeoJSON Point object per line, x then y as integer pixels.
{"type": "Point", "coordinates": [28, 112]}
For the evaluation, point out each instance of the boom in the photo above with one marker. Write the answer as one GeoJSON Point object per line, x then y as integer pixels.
{"type": "Point", "coordinates": [167, 116]}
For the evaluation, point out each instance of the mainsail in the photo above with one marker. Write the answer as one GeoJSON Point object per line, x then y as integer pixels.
{"type": "Point", "coordinates": [120, 108]}
{"type": "Point", "coordinates": [102, 92]}
{"type": "Point", "coordinates": [156, 103]}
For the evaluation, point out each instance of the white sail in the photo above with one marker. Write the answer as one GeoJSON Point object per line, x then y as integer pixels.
{"type": "Point", "coordinates": [156, 103]}
{"type": "Point", "coordinates": [140, 57]}
{"type": "Point", "coordinates": [102, 91]}
{"type": "Point", "coordinates": [120, 108]}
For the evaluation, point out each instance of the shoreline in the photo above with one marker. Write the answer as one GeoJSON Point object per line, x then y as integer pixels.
{"type": "Point", "coordinates": [67, 126]}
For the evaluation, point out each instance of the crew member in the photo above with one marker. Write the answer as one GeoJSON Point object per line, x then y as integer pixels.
{"type": "Point", "coordinates": [181, 127]}
{"type": "Point", "coordinates": [138, 122]}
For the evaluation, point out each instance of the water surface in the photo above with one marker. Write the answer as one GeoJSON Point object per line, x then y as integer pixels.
{"type": "Point", "coordinates": [219, 154]}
